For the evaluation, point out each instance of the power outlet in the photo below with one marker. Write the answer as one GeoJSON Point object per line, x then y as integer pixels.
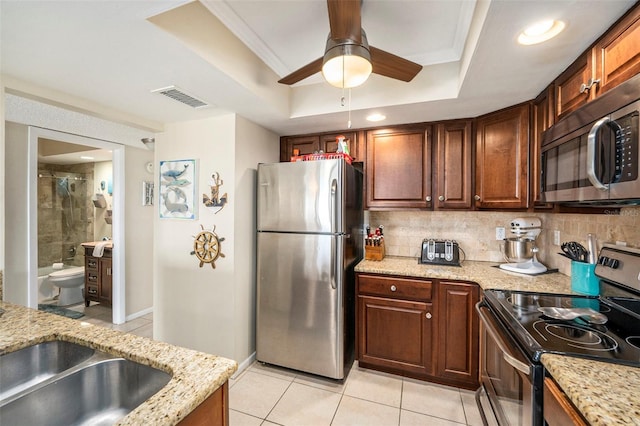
{"type": "Point", "coordinates": [556, 238]}
{"type": "Point", "coordinates": [500, 235]}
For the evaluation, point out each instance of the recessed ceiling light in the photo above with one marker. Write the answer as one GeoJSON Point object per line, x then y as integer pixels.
{"type": "Point", "coordinates": [541, 31]}
{"type": "Point", "coordinates": [85, 157]}
{"type": "Point", "coordinates": [376, 117]}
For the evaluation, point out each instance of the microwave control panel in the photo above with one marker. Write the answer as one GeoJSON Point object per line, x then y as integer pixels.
{"type": "Point", "coordinates": [626, 134]}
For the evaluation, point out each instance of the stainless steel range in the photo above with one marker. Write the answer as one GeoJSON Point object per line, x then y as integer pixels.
{"type": "Point", "coordinates": [518, 327]}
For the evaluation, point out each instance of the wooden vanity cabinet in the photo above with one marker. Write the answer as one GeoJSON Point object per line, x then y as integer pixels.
{"type": "Point", "coordinates": [98, 277]}
{"type": "Point", "coordinates": [421, 328]}
{"type": "Point", "coordinates": [398, 167]}
{"type": "Point", "coordinates": [452, 174]}
{"type": "Point", "coordinates": [502, 153]}
{"type": "Point", "coordinates": [558, 409]}
{"type": "Point", "coordinates": [213, 411]}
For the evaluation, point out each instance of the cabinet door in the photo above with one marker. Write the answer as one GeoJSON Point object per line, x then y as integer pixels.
{"type": "Point", "coordinates": [398, 168]}
{"type": "Point", "coordinates": [558, 410]}
{"type": "Point", "coordinates": [502, 151]}
{"type": "Point", "coordinates": [395, 334]}
{"type": "Point", "coordinates": [457, 336]}
{"type": "Point", "coordinates": [329, 142]}
{"type": "Point", "coordinates": [542, 117]}
{"type": "Point", "coordinates": [303, 144]}
{"type": "Point", "coordinates": [568, 86]}
{"type": "Point", "coordinates": [617, 54]}
{"type": "Point", "coordinates": [106, 280]}
{"type": "Point", "coordinates": [452, 170]}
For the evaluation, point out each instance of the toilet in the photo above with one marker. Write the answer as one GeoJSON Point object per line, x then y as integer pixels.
{"type": "Point", "coordinates": [71, 283]}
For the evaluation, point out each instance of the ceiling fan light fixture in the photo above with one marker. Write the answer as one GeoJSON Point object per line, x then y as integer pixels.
{"type": "Point", "coordinates": [346, 64]}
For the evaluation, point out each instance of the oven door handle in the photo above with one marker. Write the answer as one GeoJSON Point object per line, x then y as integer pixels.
{"type": "Point", "coordinates": [491, 329]}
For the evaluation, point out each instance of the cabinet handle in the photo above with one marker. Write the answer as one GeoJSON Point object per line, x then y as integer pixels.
{"type": "Point", "coordinates": [477, 198]}
{"type": "Point", "coordinates": [585, 87]}
{"type": "Point", "coordinates": [428, 199]}
{"type": "Point", "coordinates": [108, 271]}
{"type": "Point", "coordinates": [428, 315]}
{"type": "Point", "coordinates": [441, 198]}
{"type": "Point", "coordinates": [393, 288]}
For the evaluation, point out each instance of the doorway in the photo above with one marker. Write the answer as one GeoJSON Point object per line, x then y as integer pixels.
{"type": "Point", "coordinates": [39, 138]}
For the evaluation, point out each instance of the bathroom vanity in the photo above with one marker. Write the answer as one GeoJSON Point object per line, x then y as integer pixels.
{"type": "Point", "coordinates": [98, 274]}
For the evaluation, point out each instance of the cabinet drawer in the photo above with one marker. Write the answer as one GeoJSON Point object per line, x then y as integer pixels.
{"type": "Point", "coordinates": [91, 278]}
{"type": "Point", "coordinates": [394, 287]}
{"type": "Point", "coordinates": [92, 291]}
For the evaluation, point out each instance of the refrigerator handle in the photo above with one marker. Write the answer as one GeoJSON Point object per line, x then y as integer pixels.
{"type": "Point", "coordinates": [334, 212]}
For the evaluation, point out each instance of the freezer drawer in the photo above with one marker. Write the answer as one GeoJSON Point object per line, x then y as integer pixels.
{"type": "Point", "coordinates": [300, 309]}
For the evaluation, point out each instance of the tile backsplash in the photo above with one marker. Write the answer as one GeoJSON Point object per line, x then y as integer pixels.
{"type": "Point", "coordinates": [475, 231]}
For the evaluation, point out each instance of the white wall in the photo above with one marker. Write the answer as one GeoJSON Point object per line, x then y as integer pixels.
{"type": "Point", "coordinates": [102, 172]}
{"type": "Point", "coordinates": [138, 222]}
{"type": "Point", "coordinates": [211, 310]}
{"type": "Point", "coordinates": [16, 238]}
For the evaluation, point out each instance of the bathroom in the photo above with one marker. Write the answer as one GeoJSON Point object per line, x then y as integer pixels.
{"type": "Point", "coordinates": [74, 207]}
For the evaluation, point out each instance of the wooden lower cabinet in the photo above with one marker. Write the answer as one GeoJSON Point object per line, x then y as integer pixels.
{"type": "Point", "coordinates": [558, 410]}
{"type": "Point", "coordinates": [98, 277]}
{"type": "Point", "coordinates": [214, 411]}
{"type": "Point", "coordinates": [421, 328]}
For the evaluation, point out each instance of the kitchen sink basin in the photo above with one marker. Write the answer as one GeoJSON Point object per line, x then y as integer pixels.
{"type": "Point", "coordinates": [26, 367]}
{"type": "Point", "coordinates": [97, 391]}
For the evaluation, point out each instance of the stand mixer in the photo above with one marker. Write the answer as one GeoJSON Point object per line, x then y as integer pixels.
{"type": "Point", "coordinates": [520, 251]}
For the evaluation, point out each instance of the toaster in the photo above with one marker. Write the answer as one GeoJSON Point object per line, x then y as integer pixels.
{"type": "Point", "coordinates": [440, 252]}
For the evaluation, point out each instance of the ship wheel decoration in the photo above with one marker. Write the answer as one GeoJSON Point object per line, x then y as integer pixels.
{"type": "Point", "coordinates": [206, 246]}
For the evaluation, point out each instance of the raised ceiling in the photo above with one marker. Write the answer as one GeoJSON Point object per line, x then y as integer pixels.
{"type": "Point", "coordinates": [230, 53]}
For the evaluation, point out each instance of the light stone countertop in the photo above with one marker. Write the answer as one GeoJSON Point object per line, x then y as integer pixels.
{"type": "Point", "coordinates": [604, 393]}
{"type": "Point", "coordinates": [195, 375]}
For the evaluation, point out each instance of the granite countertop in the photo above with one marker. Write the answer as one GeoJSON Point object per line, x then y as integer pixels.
{"type": "Point", "coordinates": [604, 393]}
{"type": "Point", "coordinates": [486, 274]}
{"type": "Point", "coordinates": [195, 375]}
{"type": "Point", "coordinates": [92, 244]}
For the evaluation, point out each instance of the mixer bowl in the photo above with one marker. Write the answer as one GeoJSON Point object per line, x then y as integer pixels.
{"type": "Point", "coordinates": [517, 249]}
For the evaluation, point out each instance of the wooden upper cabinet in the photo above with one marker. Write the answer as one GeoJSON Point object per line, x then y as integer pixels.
{"type": "Point", "coordinates": [617, 53]}
{"type": "Point", "coordinates": [304, 144]}
{"type": "Point", "coordinates": [452, 165]}
{"type": "Point", "coordinates": [329, 142]}
{"type": "Point", "coordinates": [502, 151]}
{"type": "Point", "coordinates": [569, 92]}
{"type": "Point", "coordinates": [398, 167]}
{"type": "Point", "coordinates": [542, 117]}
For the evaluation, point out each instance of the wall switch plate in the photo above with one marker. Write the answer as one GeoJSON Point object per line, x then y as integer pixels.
{"type": "Point", "coordinates": [500, 235]}
{"type": "Point", "coordinates": [556, 238]}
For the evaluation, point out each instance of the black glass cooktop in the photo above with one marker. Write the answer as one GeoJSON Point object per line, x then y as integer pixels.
{"type": "Point", "coordinates": [617, 340]}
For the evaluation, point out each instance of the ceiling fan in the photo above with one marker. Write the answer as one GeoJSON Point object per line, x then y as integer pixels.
{"type": "Point", "coordinates": [348, 50]}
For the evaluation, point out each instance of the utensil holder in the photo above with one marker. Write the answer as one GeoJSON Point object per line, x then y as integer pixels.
{"type": "Point", "coordinates": [374, 252]}
{"type": "Point", "coordinates": [583, 278]}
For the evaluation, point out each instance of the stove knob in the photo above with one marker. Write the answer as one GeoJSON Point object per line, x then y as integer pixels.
{"type": "Point", "coordinates": [613, 263]}
{"type": "Point", "coordinates": [603, 260]}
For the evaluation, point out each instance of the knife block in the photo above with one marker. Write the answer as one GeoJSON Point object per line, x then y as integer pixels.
{"type": "Point", "coordinates": [374, 252]}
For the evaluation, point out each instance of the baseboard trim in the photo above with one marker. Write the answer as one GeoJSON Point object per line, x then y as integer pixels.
{"type": "Point", "coordinates": [139, 314]}
{"type": "Point", "coordinates": [244, 365]}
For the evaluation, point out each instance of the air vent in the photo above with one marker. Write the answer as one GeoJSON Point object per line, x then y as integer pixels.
{"type": "Point", "coordinates": [179, 95]}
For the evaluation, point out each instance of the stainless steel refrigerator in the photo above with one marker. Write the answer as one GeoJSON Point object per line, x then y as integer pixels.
{"type": "Point", "coordinates": [309, 239]}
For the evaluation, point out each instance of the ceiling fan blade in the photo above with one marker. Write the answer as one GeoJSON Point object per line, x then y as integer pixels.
{"type": "Point", "coordinates": [390, 65]}
{"type": "Point", "coordinates": [344, 19]}
{"type": "Point", "coordinates": [302, 73]}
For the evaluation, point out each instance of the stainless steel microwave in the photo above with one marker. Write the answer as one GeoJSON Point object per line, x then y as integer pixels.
{"type": "Point", "coordinates": [592, 156]}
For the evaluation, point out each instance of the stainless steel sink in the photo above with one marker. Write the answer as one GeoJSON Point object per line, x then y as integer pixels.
{"type": "Point", "coordinates": [27, 367]}
{"type": "Point", "coordinates": [98, 391]}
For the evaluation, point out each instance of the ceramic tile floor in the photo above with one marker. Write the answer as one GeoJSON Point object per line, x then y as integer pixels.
{"type": "Point", "coordinates": [268, 395]}
{"type": "Point", "coordinates": [101, 315]}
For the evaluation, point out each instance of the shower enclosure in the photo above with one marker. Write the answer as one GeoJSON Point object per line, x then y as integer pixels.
{"type": "Point", "coordinates": [65, 213]}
